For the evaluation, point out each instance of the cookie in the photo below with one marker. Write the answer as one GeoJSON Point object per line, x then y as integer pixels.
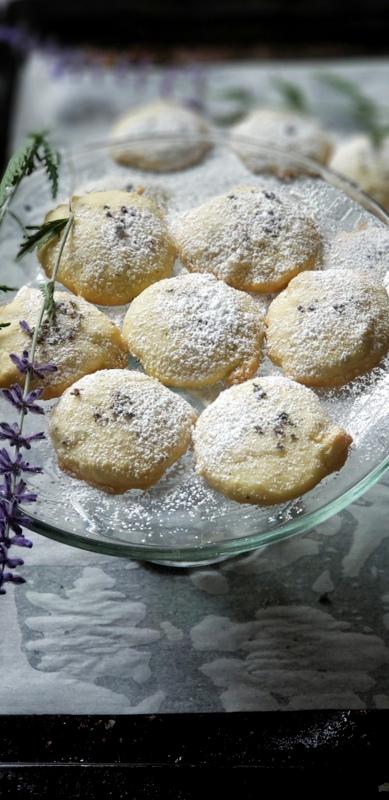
{"type": "Point", "coordinates": [154, 191]}
{"type": "Point", "coordinates": [120, 430]}
{"type": "Point", "coordinates": [194, 330]}
{"type": "Point", "coordinates": [287, 131]}
{"type": "Point", "coordinates": [118, 244]}
{"type": "Point", "coordinates": [366, 249]}
{"type": "Point", "coordinates": [160, 119]}
{"type": "Point", "coordinates": [79, 340]}
{"type": "Point", "coordinates": [267, 441]}
{"type": "Point", "coordinates": [359, 160]}
{"type": "Point", "coordinates": [328, 327]}
{"type": "Point", "coordinates": [252, 238]}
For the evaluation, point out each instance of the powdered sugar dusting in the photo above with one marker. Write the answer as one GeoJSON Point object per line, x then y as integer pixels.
{"type": "Point", "coordinates": [275, 411]}
{"type": "Point", "coordinates": [285, 130]}
{"type": "Point", "coordinates": [79, 339]}
{"type": "Point", "coordinates": [250, 237]}
{"type": "Point", "coordinates": [116, 422]}
{"type": "Point", "coordinates": [194, 329]}
{"type": "Point", "coordinates": [366, 248]}
{"type": "Point", "coordinates": [152, 120]}
{"type": "Point", "coordinates": [329, 326]}
{"type": "Point", "coordinates": [181, 510]}
{"type": "Point", "coordinates": [267, 440]}
{"type": "Point", "coordinates": [118, 239]}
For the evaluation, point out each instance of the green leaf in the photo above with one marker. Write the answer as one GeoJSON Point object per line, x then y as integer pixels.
{"type": "Point", "coordinates": [19, 165]}
{"type": "Point", "coordinates": [51, 160]}
{"type": "Point", "coordinates": [337, 82]}
{"type": "Point", "coordinates": [4, 324]}
{"type": "Point", "coordinates": [28, 157]}
{"type": "Point", "coordinates": [46, 231]}
{"type": "Point", "coordinates": [4, 288]}
{"type": "Point", "coordinates": [292, 95]}
{"type": "Point", "coordinates": [238, 93]}
{"type": "Point", "coordinates": [365, 111]}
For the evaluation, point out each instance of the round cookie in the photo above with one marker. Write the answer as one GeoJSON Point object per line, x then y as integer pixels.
{"type": "Point", "coordinates": [368, 166]}
{"type": "Point", "coordinates": [287, 131]}
{"type": "Point", "coordinates": [252, 238]}
{"type": "Point", "coordinates": [194, 330]}
{"type": "Point", "coordinates": [79, 340]}
{"type": "Point", "coordinates": [156, 192]}
{"type": "Point", "coordinates": [118, 244]}
{"type": "Point", "coordinates": [267, 441]}
{"type": "Point", "coordinates": [120, 430]}
{"type": "Point", "coordinates": [159, 119]}
{"type": "Point", "coordinates": [328, 327]}
{"type": "Point", "coordinates": [366, 248]}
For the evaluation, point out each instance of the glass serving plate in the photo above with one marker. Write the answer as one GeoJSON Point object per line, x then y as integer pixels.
{"type": "Point", "coordinates": [181, 521]}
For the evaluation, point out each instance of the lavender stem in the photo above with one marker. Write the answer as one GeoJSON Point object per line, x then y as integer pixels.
{"type": "Point", "coordinates": [29, 372]}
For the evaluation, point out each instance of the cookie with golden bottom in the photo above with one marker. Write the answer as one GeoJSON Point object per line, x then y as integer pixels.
{"type": "Point", "coordinates": [360, 160]}
{"type": "Point", "coordinates": [267, 441]}
{"type": "Point", "coordinates": [194, 330]}
{"type": "Point", "coordinates": [78, 340]}
{"type": "Point", "coordinates": [159, 120]}
{"type": "Point", "coordinates": [287, 131]}
{"type": "Point", "coordinates": [117, 246]}
{"type": "Point", "coordinates": [120, 430]}
{"type": "Point", "coordinates": [326, 328]}
{"type": "Point", "coordinates": [252, 238]}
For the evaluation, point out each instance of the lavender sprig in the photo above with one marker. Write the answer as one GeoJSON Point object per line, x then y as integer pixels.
{"type": "Point", "coordinates": [36, 151]}
{"type": "Point", "coordinates": [13, 490]}
{"type": "Point", "coordinates": [24, 365]}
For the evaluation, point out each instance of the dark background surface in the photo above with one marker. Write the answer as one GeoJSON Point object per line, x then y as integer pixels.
{"type": "Point", "coordinates": [189, 756]}
{"type": "Point", "coordinates": [291, 24]}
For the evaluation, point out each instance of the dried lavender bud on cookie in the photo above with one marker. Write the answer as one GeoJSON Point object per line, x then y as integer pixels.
{"type": "Point", "coordinates": [267, 441]}
{"type": "Point", "coordinates": [328, 327]}
{"type": "Point", "coordinates": [78, 340]}
{"type": "Point", "coordinates": [120, 430]}
{"type": "Point", "coordinates": [252, 238]}
{"type": "Point", "coordinates": [118, 244]}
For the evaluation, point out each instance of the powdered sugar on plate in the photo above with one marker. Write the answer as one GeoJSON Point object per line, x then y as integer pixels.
{"type": "Point", "coordinates": [181, 510]}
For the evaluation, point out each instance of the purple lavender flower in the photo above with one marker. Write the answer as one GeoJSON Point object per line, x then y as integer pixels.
{"type": "Point", "coordinates": [14, 395]}
{"type": "Point", "coordinates": [12, 433]}
{"type": "Point", "coordinates": [15, 465]}
{"type": "Point", "coordinates": [25, 327]}
{"type": "Point", "coordinates": [8, 576]}
{"type": "Point", "coordinates": [11, 563]}
{"type": "Point", "coordinates": [11, 518]}
{"type": "Point", "coordinates": [24, 365]}
{"type": "Point", "coordinates": [21, 540]}
{"type": "Point", "coordinates": [18, 492]}
{"type": "Point", "coordinates": [13, 489]}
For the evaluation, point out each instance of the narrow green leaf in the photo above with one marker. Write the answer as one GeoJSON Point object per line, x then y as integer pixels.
{"type": "Point", "coordinates": [47, 231]}
{"type": "Point", "coordinates": [19, 165]}
{"type": "Point", "coordinates": [4, 324]}
{"type": "Point", "coordinates": [51, 159]}
{"type": "Point", "coordinates": [240, 94]}
{"type": "Point", "coordinates": [364, 110]}
{"type": "Point", "coordinates": [34, 151]}
{"type": "Point", "coordinates": [4, 288]}
{"type": "Point", "coordinates": [292, 95]}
